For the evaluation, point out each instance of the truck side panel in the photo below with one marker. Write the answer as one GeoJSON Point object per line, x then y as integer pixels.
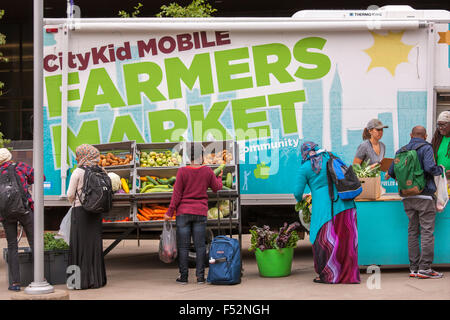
{"type": "Point", "coordinates": [271, 91]}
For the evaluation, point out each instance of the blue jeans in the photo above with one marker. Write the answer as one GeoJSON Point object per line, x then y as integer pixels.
{"type": "Point", "coordinates": [195, 225]}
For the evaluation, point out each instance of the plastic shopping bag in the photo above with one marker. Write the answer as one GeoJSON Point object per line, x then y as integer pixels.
{"type": "Point", "coordinates": [441, 192]}
{"type": "Point", "coordinates": [64, 228]}
{"type": "Point", "coordinates": [168, 244]}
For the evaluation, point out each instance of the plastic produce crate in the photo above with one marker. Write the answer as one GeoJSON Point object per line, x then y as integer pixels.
{"type": "Point", "coordinates": [55, 266]}
{"type": "Point", "coordinates": [119, 149]}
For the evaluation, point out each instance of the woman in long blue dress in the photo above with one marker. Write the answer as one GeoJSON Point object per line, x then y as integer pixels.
{"type": "Point", "coordinates": [334, 240]}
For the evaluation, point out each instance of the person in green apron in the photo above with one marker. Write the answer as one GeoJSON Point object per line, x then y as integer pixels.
{"type": "Point", "coordinates": [441, 141]}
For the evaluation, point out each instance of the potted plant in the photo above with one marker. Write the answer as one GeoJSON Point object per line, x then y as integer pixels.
{"type": "Point", "coordinates": [274, 250]}
{"type": "Point", "coordinates": [304, 209]}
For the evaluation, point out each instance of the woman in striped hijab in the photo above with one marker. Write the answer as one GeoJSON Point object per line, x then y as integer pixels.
{"type": "Point", "coordinates": [334, 240]}
{"type": "Point", "coordinates": [86, 244]}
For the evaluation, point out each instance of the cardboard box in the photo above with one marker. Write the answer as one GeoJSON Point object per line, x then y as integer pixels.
{"type": "Point", "coordinates": [385, 164]}
{"type": "Point", "coordinates": [371, 188]}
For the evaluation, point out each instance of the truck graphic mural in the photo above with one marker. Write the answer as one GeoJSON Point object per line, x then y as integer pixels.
{"type": "Point", "coordinates": [269, 91]}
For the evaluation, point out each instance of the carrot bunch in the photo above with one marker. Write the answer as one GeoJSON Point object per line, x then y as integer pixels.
{"type": "Point", "coordinates": [152, 212]}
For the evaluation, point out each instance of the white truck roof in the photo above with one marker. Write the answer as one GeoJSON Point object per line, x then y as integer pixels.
{"type": "Point", "coordinates": [392, 12]}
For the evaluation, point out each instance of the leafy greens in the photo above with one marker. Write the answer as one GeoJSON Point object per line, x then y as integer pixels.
{"type": "Point", "coordinates": [264, 238]}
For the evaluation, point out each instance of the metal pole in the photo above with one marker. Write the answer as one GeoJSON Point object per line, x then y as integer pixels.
{"type": "Point", "coordinates": [39, 285]}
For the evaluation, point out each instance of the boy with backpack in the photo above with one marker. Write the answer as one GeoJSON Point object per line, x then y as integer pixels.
{"type": "Point", "coordinates": [413, 168]}
{"type": "Point", "coordinates": [16, 205]}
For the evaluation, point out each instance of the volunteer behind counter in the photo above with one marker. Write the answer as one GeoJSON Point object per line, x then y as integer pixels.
{"type": "Point", "coordinates": [372, 149]}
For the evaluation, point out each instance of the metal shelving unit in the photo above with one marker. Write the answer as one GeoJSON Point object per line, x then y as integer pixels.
{"type": "Point", "coordinates": [128, 204]}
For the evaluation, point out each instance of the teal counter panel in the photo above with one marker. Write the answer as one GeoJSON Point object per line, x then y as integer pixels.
{"type": "Point", "coordinates": [383, 234]}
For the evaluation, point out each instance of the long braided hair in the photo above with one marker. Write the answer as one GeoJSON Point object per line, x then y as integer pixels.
{"type": "Point", "coordinates": [436, 142]}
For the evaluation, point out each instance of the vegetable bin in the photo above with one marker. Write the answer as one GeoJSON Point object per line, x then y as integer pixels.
{"type": "Point", "coordinates": [274, 262]}
{"type": "Point", "coordinates": [55, 265]}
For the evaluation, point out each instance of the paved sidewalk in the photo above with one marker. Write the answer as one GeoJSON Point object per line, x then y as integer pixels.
{"type": "Point", "coordinates": [135, 273]}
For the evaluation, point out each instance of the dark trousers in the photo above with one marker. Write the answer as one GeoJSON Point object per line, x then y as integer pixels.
{"type": "Point", "coordinates": [191, 225]}
{"type": "Point", "coordinates": [421, 214]}
{"type": "Point", "coordinates": [11, 237]}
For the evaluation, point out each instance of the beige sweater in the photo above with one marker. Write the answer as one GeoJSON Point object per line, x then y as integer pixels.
{"type": "Point", "coordinates": [75, 185]}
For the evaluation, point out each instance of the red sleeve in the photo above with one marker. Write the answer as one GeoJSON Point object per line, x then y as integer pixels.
{"type": "Point", "coordinates": [215, 182]}
{"type": "Point", "coordinates": [28, 171]}
{"type": "Point", "coordinates": [177, 193]}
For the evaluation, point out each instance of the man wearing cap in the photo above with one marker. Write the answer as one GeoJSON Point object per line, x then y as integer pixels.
{"type": "Point", "coordinates": [372, 149]}
{"type": "Point", "coordinates": [26, 178]}
{"type": "Point", "coordinates": [441, 141]}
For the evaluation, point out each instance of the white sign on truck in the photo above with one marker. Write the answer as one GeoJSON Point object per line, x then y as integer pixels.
{"type": "Point", "coordinates": [268, 83]}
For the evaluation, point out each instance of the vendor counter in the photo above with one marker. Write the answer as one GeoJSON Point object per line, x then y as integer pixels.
{"type": "Point", "coordinates": [383, 232]}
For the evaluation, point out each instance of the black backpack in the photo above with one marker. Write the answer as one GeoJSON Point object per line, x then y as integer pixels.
{"type": "Point", "coordinates": [13, 201]}
{"type": "Point", "coordinates": [96, 193]}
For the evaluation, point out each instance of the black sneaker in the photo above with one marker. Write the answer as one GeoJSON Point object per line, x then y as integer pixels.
{"type": "Point", "coordinates": [201, 280]}
{"type": "Point", "coordinates": [181, 281]}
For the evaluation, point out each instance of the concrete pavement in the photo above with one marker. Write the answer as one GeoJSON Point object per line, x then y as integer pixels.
{"type": "Point", "coordinates": [135, 273]}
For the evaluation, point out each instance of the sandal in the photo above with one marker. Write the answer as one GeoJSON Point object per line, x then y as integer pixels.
{"type": "Point", "coordinates": [318, 280]}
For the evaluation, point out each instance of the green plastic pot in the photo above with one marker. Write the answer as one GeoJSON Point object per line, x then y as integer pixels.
{"type": "Point", "coordinates": [274, 263]}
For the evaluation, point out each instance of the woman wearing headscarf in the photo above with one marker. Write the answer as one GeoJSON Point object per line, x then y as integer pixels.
{"type": "Point", "coordinates": [441, 141]}
{"type": "Point", "coordinates": [334, 240]}
{"type": "Point", "coordinates": [86, 245]}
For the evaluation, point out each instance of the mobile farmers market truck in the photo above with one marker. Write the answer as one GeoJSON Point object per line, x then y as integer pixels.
{"type": "Point", "coordinates": [265, 85]}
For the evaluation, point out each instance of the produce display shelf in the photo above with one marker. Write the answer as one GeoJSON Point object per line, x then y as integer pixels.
{"type": "Point", "coordinates": [127, 204]}
{"type": "Point", "coordinates": [157, 168]}
{"type": "Point", "coordinates": [158, 148]}
{"type": "Point", "coordinates": [119, 223]}
{"type": "Point", "coordinates": [119, 148]}
{"type": "Point", "coordinates": [155, 195]}
{"type": "Point", "coordinates": [122, 196]}
{"type": "Point", "coordinates": [223, 194]}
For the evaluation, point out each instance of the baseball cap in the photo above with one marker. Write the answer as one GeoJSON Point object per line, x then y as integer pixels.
{"type": "Point", "coordinates": [375, 124]}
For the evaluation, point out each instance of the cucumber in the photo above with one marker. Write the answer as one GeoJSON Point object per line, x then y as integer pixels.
{"type": "Point", "coordinates": [163, 181]}
{"type": "Point", "coordinates": [224, 187]}
{"type": "Point", "coordinates": [172, 180]}
{"type": "Point", "coordinates": [219, 169]}
{"type": "Point", "coordinates": [229, 180]}
{"type": "Point", "coordinates": [151, 180]}
{"type": "Point", "coordinates": [147, 187]}
{"type": "Point", "coordinates": [151, 190]}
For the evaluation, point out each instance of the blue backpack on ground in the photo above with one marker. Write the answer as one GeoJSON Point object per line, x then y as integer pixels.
{"type": "Point", "coordinates": [224, 261]}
